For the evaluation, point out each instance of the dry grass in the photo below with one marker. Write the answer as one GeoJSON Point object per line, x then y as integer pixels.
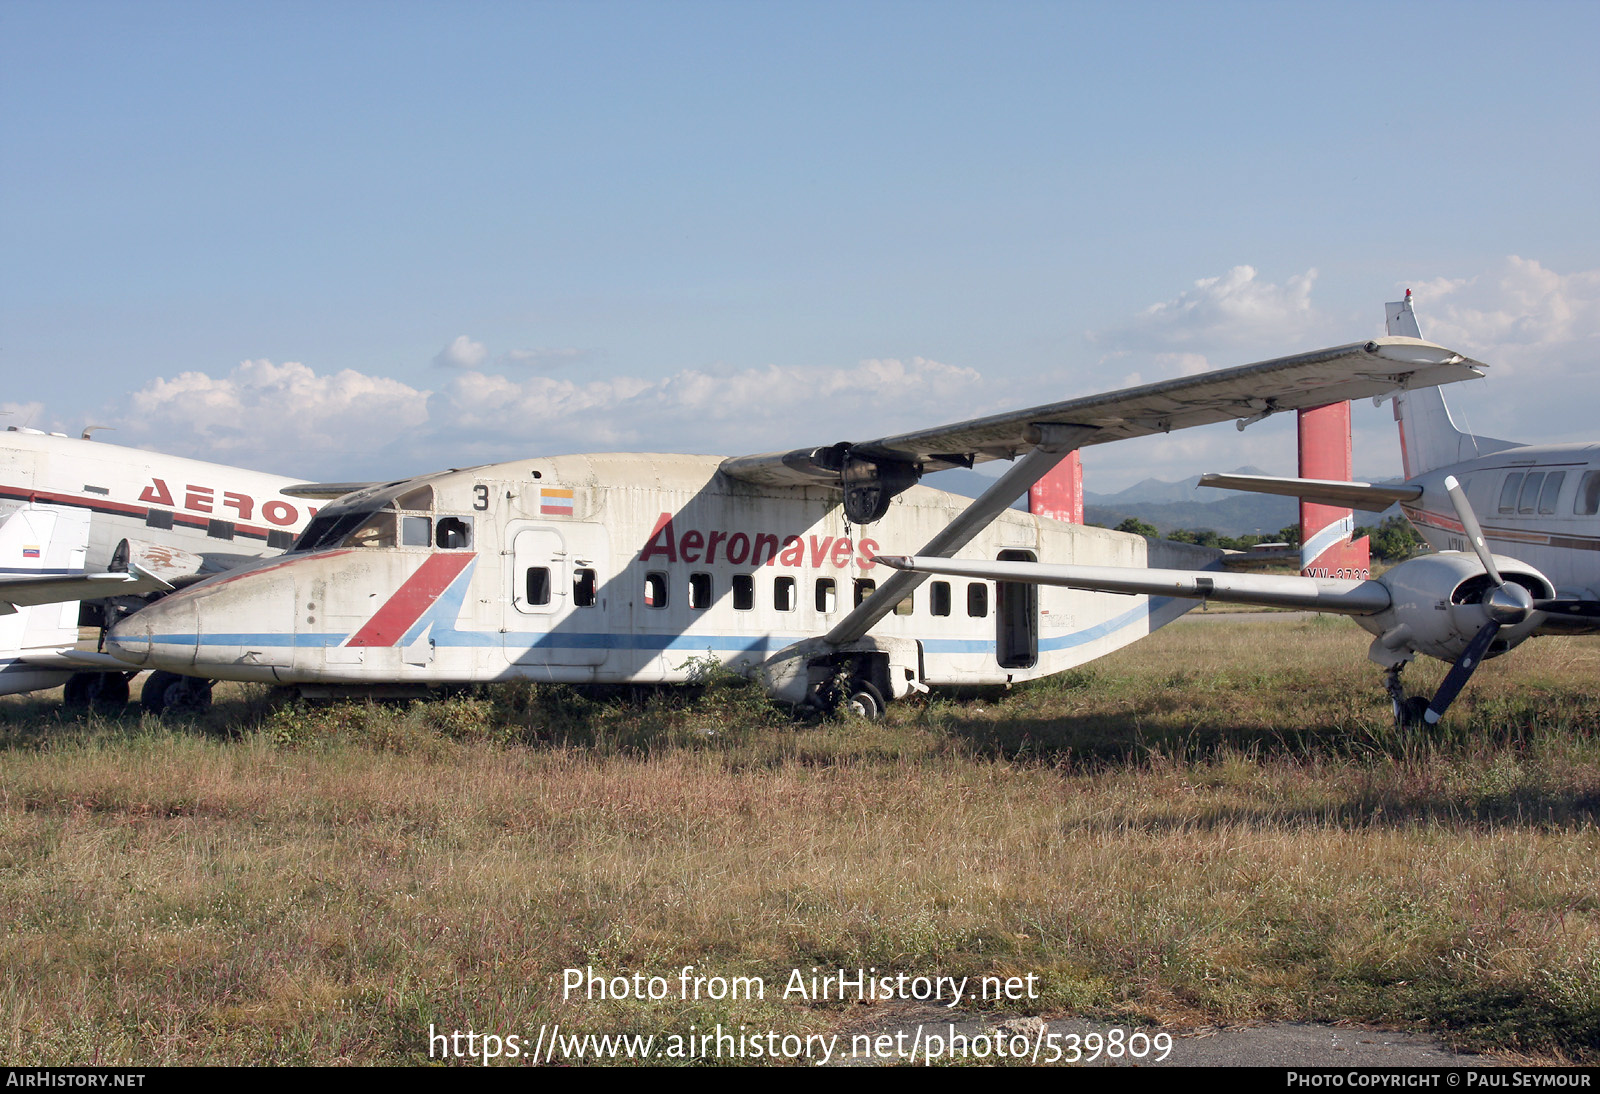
{"type": "Point", "coordinates": [1216, 825]}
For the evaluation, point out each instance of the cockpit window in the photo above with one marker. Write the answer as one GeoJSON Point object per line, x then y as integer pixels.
{"type": "Point", "coordinates": [421, 498]}
{"type": "Point", "coordinates": [415, 531]}
{"type": "Point", "coordinates": [377, 533]}
{"type": "Point", "coordinates": [329, 529]}
{"type": "Point", "coordinates": [453, 532]}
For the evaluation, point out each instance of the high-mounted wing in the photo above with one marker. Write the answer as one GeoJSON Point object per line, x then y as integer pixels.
{"type": "Point", "coordinates": [872, 472]}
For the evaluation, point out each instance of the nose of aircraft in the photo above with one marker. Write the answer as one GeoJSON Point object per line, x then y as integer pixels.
{"type": "Point", "coordinates": [153, 635]}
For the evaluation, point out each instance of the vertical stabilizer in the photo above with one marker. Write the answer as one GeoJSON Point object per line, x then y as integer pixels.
{"type": "Point", "coordinates": [1326, 547]}
{"type": "Point", "coordinates": [1059, 495]}
{"type": "Point", "coordinates": [1428, 436]}
{"type": "Point", "coordinates": [42, 539]}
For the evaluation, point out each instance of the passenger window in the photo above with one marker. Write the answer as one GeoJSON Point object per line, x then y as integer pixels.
{"type": "Point", "coordinates": [827, 595]}
{"type": "Point", "coordinates": [655, 589]}
{"type": "Point", "coordinates": [454, 532]}
{"type": "Point", "coordinates": [700, 591]}
{"type": "Point", "coordinates": [1508, 492]}
{"type": "Point", "coordinates": [1530, 492]}
{"type": "Point", "coordinates": [783, 594]}
{"type": "Point", "coordinates": [219, 529]}
{"type": "Point", "coordinates": [1551, 492]}
{"type": "Point", "coordinates": [538, 585]}
{"type": "Point", "coordinates": [864, 589]}
{"type": "Point", "coordinates": [1587, 503]}
{"type": "Point", "coordinates": [280, 539]}
{"type": "Point", "coordinates": [583, 588]}
{"type": "Point", "coordinates": [744, 592]}
{"type": "Point", "coordinates": [977, 600]}
{"type": "Point", "coordinates": [939, 598]}
{"type": "Point", "coordinates": [906, 606]}
{"type": "Point", "coordinates": [415, 531]}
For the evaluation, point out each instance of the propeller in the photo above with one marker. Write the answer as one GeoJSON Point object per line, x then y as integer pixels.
{"type": "Point", "coordinates": [1506, 604]}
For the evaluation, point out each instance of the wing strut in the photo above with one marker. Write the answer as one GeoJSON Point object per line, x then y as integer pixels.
{"type": "Point", "coordinates": [1055, 441]}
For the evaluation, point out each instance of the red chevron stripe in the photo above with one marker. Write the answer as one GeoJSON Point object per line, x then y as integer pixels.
{"type": "Point", "coordinates": [415, 596]}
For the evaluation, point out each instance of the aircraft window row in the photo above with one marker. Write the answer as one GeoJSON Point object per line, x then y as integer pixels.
{"type": "Point", "coordinates": [785, 593]}
{"type": "Point", "coordinates": [1532, 492]}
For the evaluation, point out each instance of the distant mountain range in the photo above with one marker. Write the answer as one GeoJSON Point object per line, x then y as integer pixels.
{"type": "Point", "coordinates": [1169, 505]}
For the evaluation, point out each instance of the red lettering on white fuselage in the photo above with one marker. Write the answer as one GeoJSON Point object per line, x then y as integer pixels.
{"type": "Point", "coordinates": [202, 499]}
{"type": "Point", "coordinates": [755, 548]}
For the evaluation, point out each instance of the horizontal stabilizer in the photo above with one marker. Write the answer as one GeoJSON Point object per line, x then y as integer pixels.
{"type": "Point", "coordinates": [1341, 595]}
{"type": "Point", "coordinates": [1257, 559]}
{"type": "Point", "coordinates": [26, 590]}
{"type": "Point", "coordinates": [1353, 495]}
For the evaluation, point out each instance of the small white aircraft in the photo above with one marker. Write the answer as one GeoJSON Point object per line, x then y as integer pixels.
{"type": "Point", "coordinates": [1461, 605]}
{"type": "Point", "coordinates": [632, 568]}
{"type": "Point", "coordinates": [85, 526]}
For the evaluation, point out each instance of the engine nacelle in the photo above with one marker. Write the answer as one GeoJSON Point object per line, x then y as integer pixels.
{"type": "Point", "coordinates": [1438, 605]}
{"type": "Point", "coordinates": [170, 564]}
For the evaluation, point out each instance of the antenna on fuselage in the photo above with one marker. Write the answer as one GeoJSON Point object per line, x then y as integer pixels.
{"type": "Point", "coordinates": [88, 429]}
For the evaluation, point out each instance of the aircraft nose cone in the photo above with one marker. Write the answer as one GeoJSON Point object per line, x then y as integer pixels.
{"type": "Point", "coordinates": [129, 640]}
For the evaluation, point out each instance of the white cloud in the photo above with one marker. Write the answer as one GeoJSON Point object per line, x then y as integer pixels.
{"type": "Point", "coordinates": [1230, 309]}
{"type": "Point", "coordinates": [1517, 308]}
{"type": "Point", "coordinates": [544, 357]}
{"type": "Point", "coordinates": [462, 353]}
{"type": "Point", "coordinates": [272, 417]}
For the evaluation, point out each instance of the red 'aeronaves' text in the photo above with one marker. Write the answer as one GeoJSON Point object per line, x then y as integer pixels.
{"type": "Point", "coordinates": [755, 549]}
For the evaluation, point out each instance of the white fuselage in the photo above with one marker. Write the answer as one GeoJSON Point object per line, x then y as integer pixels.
{"type": "Point", "coordinates": [631, 568]}
{"type": "Point", "coordinates": [226, 514]}
{"type": "Point", "coordinates": [1537, 503]}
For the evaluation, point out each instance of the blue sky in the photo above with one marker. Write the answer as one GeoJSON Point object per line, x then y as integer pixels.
{"type": "Point", "coordinates": [370, 239]}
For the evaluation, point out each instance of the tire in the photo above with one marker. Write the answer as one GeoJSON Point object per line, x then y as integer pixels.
{"type": "Point", "coordinates": [153, 696]}
{"type": "Point", "coordinates": [865, 700]}
{"type": "Point", "coordinates": [1410, 713]}
{"type": "Point", "coordinates": [188, 697]}
{"type": "Point", "coordinates": [101, 692]}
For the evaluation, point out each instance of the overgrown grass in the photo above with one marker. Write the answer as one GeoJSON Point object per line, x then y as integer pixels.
{"type": "Point", "coordinates": [1216, 825]}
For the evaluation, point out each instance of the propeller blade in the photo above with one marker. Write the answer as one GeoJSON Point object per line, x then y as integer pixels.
{"type": "Point", "coordinates": [1470, 525]}
{"type": "Point", "coordinates": [1568, 605]}
{"type": "Point", "coordinates": [1460, 673]}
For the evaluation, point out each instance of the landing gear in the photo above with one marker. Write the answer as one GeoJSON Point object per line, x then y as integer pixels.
{"type": "Point", "coordinates": [857, 695]}
{"type": "Point", "coordinates": [1408, 710]}
{"type": "Point", "coordinates": [101, 692]}
{"type": "Point", "coordinates": [180, 696]}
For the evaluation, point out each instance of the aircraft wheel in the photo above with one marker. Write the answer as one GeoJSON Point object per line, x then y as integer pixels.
{"type": "Point", "coordinates": [102, 692]}
{"type": "Point", "coordinates": [188, 697]}
{"type": "Point", "coordinates": [865, 700]}
{"type": "Point", "coordinates": [153, 696]}
{"type": "Point", "coordinates": [1410, 712]}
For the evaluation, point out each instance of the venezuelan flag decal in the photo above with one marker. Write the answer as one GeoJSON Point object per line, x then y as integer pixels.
{"type": "Point", "coordinates": [415, 596]}
{"type": "Point", "coordinates": [555, 501]}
